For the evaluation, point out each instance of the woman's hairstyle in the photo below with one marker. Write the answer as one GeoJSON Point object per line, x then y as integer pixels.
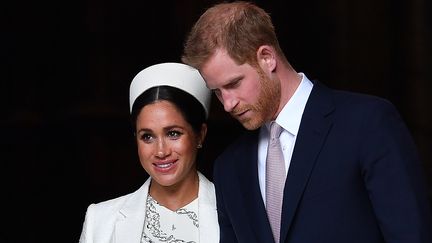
{"type": "Point", "coordinates": [238, 27]}
{"type": "Point", "coordinates": [191, 109]}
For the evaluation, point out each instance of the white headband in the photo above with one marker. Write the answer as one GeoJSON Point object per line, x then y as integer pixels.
{"type": "Point", "coordinates": [172, 74]}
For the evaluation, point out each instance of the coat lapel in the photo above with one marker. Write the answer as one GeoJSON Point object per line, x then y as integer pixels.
{"type": "Point", "coordinates": [131, 217]}
{"type": "Point", "coordinates": [315, 124]}
{"type": "Point", "coordinates": [208, 223]}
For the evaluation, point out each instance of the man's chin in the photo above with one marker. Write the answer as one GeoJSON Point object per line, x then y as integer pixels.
{"type": "Point", "coordinates": [251, 124]}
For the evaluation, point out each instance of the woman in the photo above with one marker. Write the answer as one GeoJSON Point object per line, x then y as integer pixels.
{"type": "Point", "coordinates": [169, 105]}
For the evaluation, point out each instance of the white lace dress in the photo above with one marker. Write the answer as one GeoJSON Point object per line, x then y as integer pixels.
{"type": "Point", "coordinates": [164, 225]}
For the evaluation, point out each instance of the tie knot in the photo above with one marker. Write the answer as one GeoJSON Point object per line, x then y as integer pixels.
{"type": "Point", "coordinates": [275, 130]}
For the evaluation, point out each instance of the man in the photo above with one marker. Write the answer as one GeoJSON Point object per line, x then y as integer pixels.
{"type": "Point", "coordinates": [351, 172]}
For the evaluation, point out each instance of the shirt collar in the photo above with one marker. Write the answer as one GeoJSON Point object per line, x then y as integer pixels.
{"type": "Point", "coordinates": [290, 116]}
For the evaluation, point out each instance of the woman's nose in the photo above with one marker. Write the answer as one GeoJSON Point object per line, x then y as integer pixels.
{"type": "Point", "coordinates": [162, 148]}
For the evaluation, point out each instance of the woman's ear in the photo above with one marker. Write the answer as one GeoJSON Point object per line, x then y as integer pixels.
{"type": "Point", "coordinates": [266, 57]}
{"type": "Point", "coordinates": [202, 134]}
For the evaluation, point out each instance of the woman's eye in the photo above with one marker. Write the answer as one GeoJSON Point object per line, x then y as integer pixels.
{"type": "Point", "coordinates": [146, 137]}
{"type": "Point", "coordinates": [174, 134]}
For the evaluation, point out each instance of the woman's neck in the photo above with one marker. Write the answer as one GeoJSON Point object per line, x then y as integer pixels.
{"type": "Point", "coordinates": [176, 196]}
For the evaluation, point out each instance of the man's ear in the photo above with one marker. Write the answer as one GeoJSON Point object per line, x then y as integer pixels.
{"type": "Point", "coordinates": [266, 57]}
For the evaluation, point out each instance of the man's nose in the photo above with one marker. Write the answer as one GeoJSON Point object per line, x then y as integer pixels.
{"type": "Point", "coordinates": [228, 101]}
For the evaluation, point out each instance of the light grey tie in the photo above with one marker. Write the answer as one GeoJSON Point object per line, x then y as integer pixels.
{"type": "Point", "coordinates": [275, 180]}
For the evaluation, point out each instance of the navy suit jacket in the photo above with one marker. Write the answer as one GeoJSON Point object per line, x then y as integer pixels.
{"type": "Point", "coordinates": [354, 176]}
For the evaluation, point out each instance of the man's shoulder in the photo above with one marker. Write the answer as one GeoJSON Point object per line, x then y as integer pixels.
{"type": "Point", "coordinates": [244, 144]}
{"type": "Point", "coordinates": [351, 99]}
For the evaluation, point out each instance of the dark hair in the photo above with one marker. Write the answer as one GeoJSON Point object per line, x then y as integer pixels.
{"type": "Point", "coordinates": [191, 109]}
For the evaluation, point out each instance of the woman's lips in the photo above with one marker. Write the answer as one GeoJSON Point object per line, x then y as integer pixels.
{"type": "Point", "coordinates": [164, 166]}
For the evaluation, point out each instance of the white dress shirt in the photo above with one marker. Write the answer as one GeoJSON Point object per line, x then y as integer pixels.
{"type": "Point", "coordinates": [289, 119]}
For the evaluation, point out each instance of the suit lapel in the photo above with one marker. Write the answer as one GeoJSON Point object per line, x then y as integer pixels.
{"type": "Point", "coordinates": [315, 124]}
{"type": "Point", "coordinates": [250, 191]}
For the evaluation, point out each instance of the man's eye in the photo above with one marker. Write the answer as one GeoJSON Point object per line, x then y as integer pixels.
{"type": "Point", "coordinates": [234, 84]}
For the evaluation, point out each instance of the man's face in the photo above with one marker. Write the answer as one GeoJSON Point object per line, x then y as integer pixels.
{"type": "Point", "coordinates": [247, 93]}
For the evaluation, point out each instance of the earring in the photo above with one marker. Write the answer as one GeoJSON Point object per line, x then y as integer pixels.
{"type": "Point", "coordinates": [199, 146]}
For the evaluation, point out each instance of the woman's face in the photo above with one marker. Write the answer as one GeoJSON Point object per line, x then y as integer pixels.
{"type": "Point", "coordinates": [167, 144]}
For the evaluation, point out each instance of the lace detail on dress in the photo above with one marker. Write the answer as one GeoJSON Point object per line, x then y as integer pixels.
{"type": "Point", "coordinates": [152, 224]}
{"type": "Point", "coordinates": [191, 214]}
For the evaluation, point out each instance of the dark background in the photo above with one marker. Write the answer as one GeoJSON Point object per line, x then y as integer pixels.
{"type": "Point", "coordinates": [66, 68]}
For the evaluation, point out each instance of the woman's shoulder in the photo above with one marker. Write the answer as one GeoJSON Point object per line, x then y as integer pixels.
{"type": "Point", "coordinates": [114, 204]}
{"type": "Point", "coordinates": [206, 194]}
{"type": "Point", "coordinates": [108, 207]}
{"type": "Point", "coordinates": [204, 181]}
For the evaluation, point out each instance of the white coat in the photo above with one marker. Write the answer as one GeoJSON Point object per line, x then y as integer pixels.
{"type": "Point", "coordinates": [121, 220]}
